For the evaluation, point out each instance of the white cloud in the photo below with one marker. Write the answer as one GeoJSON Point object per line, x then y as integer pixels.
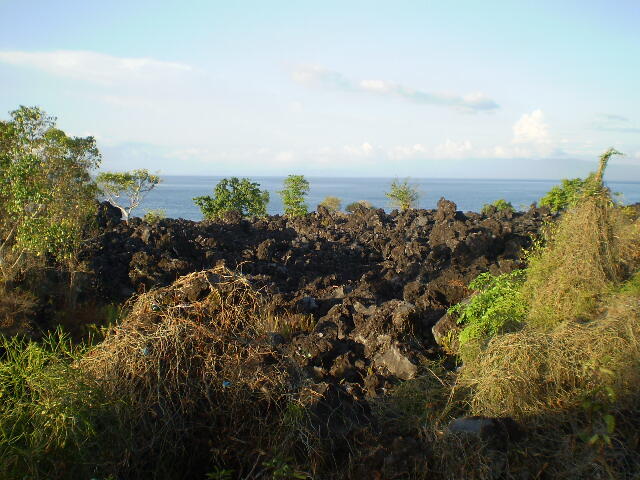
{"type": "Point", "coordinates": [531, 139]}
{"type": "Point", "coordinates": [285, 158]}
{"type": "Point", "coordinates": [531, 128]}
{"type": "Point", "coordinates": [401, 152]}
{"type": "Point", "coordinates": [451, 149]}
{"type": "Point", "coordinates": [92, 66]}
{"type": "Point", "coordinates": [377, 86]}
{"type": "Point", "coordinates": [364, 150]}
{"type": "Point", "coordinates": [317, 76]}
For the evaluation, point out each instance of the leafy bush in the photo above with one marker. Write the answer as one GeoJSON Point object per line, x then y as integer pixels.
{"type": "Point", "coordinates": [499, 205]}
{"type": "Point", "coordinates": [47, 196]}
{"type": "Point", "coordinates": [564, 195]}
{"type": "Point", "coordinates": [496, 308]}
{"type": "Point", "coordinates": [296, 187]}
{"type": "Point", "coordinates": [240, 195]}
{"type": "Point", "coordinates": [355, 205]}
{"type": "Point", "coordinates": [131, 186]}
{"type": "Point", "coordinates": [402, 195]}
{"type": "Point", "coordinates": [154, 216]}
{"type": "Point", "coordinates": [333, 204]}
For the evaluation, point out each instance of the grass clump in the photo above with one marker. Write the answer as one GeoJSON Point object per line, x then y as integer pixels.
{"type": "Point", "coordinates": [570, 373]}
{"type": "Point", "coordinates": [55, 421]}
{"type": "Point", "coordinates": [587, 253]}
{"type": "Point", "coordinates": [190, 360]}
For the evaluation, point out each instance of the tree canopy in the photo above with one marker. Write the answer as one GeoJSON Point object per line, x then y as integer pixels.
{"type": "Point", "coordinates": [234, 194]}
{"type": "Point", "coordinates": [126, 190]}
{"type": "Point", "coordinates": [46, 190]}
{"type": "Point", "coordinates": [296, 188]}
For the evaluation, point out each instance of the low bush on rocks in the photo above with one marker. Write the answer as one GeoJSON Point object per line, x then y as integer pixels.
{"type": "Point", "coordinates": [499, 205]}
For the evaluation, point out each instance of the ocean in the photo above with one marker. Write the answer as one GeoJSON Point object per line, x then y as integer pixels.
{"type": "Point", "coordinates": [175, 194]}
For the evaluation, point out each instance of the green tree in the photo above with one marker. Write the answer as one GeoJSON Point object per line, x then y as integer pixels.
{"type": "Point", "coordinates": [131, 186]}
{"type": "Point", "coordinates": [47, 195]}
{"type": "Point", "coordinates": [296, 187]}
{"type": "Point", "coordinates": [402, 195]}
{"type": "Point", "coordinates": [241, 195]}
{"type": "Point", "coordinates": [333, 204]}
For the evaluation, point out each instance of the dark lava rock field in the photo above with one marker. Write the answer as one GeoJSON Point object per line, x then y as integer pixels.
{"type": "Point", "coordinates": [371, 284]}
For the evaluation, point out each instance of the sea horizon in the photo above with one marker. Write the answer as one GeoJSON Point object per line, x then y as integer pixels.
{"type": "Point", "coordinates": [176, 192]}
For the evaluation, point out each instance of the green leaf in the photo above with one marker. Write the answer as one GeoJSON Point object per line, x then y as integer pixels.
{"type": "Point", "coordinates": [610, 422]}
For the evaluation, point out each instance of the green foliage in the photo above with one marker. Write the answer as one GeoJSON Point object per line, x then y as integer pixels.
{"type": "Point", "coordinates": [631, 286]}
{"type": "Point", "coordinates": [402, 195]}
{"type": "Point", "coordinates": [281, 469]}
{"type": "Point", "coordinates": [333, 204]}
{"type": "Point", "coordinates": [497, 307]}
{"type": "Point", "coordinates": [499, 205]}
{"type": "Point", "coordinates": [564, 195]}
{"type": "Point", "coordinates": [131, 187]}
{"type": "Point", "coordinates": [46, 192]}
{"type": "Point", "coordinates": [296, 187]}
{"type": "Point", "coordinates": [352, 207]}
{"type": "Point", "coordinates": [54, 421]}
{"type": "Point", "coordinates": [568, 193]}
{"type": "Point", "coordinates": [240, 195]}
{"type": "Point", "coordinates": [154, 216]}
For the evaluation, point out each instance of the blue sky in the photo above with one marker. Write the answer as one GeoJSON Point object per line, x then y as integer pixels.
{"type": "Point", "coordinates": [426, 89]}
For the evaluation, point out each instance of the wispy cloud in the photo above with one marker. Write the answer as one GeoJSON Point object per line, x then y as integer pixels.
{"type": "Point", "coordinates": [92, 66]}
{"type": "Point", "coordinates": [614, 123]}
{"type": "Point", "coordinates": [317, 76]}
{"type": "Point", "coordinates": [613, 117]}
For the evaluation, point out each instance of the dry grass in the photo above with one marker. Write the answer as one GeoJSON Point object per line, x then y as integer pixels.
{"type": "Point", "coordinates": [189, 361]}
{"type": "Point", "coordinates": [571, 376]}
{"type": "Point", "coordinates": [593, 247]}
{"type": "Point", "coordinates": [16, 311]}
{"type": "Point", "coordinates": [529, 373]}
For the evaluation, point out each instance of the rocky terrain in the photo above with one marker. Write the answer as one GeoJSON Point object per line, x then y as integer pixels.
{"type": "Point", "coordinates": [371, 284]}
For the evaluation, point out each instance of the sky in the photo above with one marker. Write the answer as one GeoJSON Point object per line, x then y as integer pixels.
{"type": "Point", "coordinates": [465, 89]}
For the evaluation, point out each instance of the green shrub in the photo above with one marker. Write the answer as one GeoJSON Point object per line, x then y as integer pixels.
{"type": "Point", "coordinates": [402, 195]}
{"type": "Point", "coordinates": [499, 205]}
{"type": "Point", "coordinates": [333, 204]}
{"type": "Point", "coordinates": [154, 216]}
{"type": "Point", "coordinates": [296, 187]}
{"type": "Point", "coordinates": [240, 195]}
{"type": "Point", "coordinates": [564, 195]}
{"type": "Point", "coordinates": [496, 308]}
{"type": "Point", "coordinates": [355, 205]}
